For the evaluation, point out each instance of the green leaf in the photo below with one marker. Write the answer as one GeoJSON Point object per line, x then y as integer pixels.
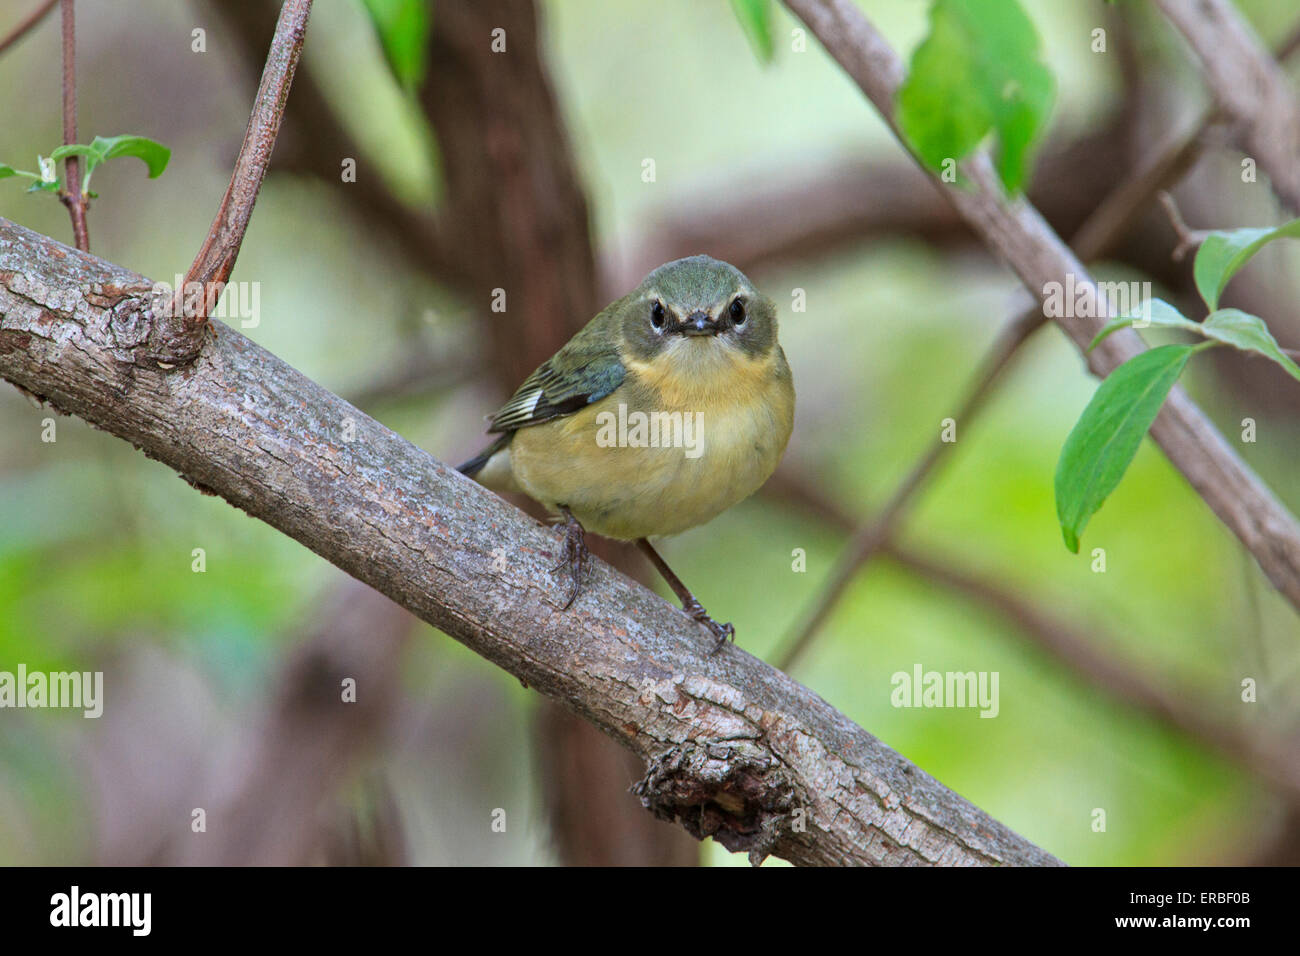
{"type": "Point", "coordinates": [1158, 312]}
{"type": "Point", "coordinates": [979, 70]}
{"type": "Point", "coordinates": [755, 18]}
{"type": "Point", "coordinates": [154, 155]}
{"type": "Point", "coordinates": [1223, 253]}
{"type": "Point", "coordinates": [1108, 433]}
{"type": "Point", "coordinates": [101, 149]}
{"type": "Point", "coordinates": [403, 30]}
{"type": "Point", "coordinates": [1247, 332]}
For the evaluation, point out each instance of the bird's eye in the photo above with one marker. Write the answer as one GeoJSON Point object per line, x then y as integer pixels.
{"type": "Point", "coordinates": [657, 315]}
{"type": "Point", "coordinates": [737, 312]}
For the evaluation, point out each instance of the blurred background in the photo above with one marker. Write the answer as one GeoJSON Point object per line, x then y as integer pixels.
{"type": "Point", "coordinates": [1121, 689]}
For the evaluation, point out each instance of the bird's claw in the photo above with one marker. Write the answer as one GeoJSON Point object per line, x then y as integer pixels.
{"type": "Point", "coordinates": [721, 632]}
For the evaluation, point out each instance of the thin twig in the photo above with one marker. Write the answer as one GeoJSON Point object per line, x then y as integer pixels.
{"type": "Point", "coordinates": [1188, 239]}
{"type": "Point", "coordinates": [1119, 210]}
{"type": "Point", "coordinates": [1102, 229]}
{"type": "Point", "coordinates": [1290, 43]}
{"type": "Point", "coordinates": [422, 374]}
{"type": "Point", "coordinates": [22, 29]}
{"type": "Point", "coordinates": [216, 258]}
{"type": "Point", "coordinates": [71, 194]}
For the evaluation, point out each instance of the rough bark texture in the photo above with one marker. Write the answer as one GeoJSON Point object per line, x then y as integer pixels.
{"type": "Point", "coordinates": [1016, 231]}
{"type": "Point", "coordinates": [735, 749]}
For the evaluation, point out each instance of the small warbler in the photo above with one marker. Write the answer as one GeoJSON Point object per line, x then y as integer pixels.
{"type": "Point", "coordinates": [671, 405]}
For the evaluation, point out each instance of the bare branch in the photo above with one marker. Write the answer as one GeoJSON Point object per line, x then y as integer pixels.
{"type": "Point", "coordinates": [71, 195]}
{"type": "Point", "coordinates": [1018, 234]}
{"type": "Point", "coordinates": [1248, 85]}
{"type": "Point", "coordinates": [1290, 43]}
{"type": "Point", "coordinates": [26, 25]}
{"type": "Point", "coordinates": [734, 746]}
{"type": "Point", "coordinates": [1188, 239]}
{"type": "Point", "coordinates": [216, 257]}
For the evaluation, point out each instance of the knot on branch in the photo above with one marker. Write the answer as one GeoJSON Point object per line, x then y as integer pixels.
{"type": "Point", "coordinates": [734, 792]}
{"type": "Point", "coordinates": [142, 324]}
{"type": "Point", "coordinates": [135, 322]}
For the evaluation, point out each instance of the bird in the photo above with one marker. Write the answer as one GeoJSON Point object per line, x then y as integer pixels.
{"type": "Point", "coordinates": [670, 406]}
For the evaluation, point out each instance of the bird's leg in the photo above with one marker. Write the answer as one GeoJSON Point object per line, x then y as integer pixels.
{"type": "Point", "coordinates": [575, 552]}
{"type": "Point", "coordinates": [689, 604]}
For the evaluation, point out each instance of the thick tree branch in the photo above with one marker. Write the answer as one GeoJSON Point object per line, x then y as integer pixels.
{"type": "Point", "coordinates": [1016, 231]}
{"type": "Point", "coordinates": [1248, 85]}
{"type": "Point", "coordinates": [735, 748]}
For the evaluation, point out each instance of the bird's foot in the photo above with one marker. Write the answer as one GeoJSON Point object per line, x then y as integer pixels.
{"type": "Point", "coordinates": [575, 553]}
{"type": "Point", "coordinates": [721, 632]}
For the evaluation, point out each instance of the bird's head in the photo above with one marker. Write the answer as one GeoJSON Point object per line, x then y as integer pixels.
{"type": "Point", "coordinates": [696, 309]}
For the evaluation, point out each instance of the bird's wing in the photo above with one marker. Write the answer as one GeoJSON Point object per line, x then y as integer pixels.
{"type": "Point", "coordinates": [584, 371]}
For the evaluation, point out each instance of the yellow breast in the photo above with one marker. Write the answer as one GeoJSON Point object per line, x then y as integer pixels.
{"type": "Point", "coordinates": [685, 437]}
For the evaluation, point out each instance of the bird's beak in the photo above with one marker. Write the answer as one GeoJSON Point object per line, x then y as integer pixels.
{"type": "Point", "coordinates": [699, 323]}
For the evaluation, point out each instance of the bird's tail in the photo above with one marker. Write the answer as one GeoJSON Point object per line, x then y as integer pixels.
{"type": "Point", "coordinates": [475, 464]}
